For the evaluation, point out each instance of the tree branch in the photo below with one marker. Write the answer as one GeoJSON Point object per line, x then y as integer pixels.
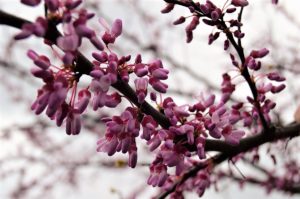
{"type": "Point", "coordinates": [239, 49]}
{"type": "Point", "coordinates": [229, 151]}
{"type": "Point", "coordinates": [84, 66]}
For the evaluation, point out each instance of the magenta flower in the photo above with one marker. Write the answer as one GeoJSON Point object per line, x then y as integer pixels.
{"type": "Point", "coordinates": [259, 53]}
{"type": "Point", "coordinates": [158, 85]}
{"type": "Point", "coordinates": [46, 75]}
{"type": "Point", "coordinates": [200, 144]}
{"type": "Point", "coordinates": [277, 89]}
{"type": "Point", "coordinates": [101, 57]}
{"type": "Point", "coordinates": [141, 85]}
{"type": "Point", "coordinates": [275, 76]}
{"type": "Point", "coordinates": [232, 137]}
{"type": "Point", "coordinates": [97, 43]}
{"type": "Point", "coordinates": [108, 145]}
{"type": "Point", "coordinates": [73, 123]}
{"type": "Point", "coordinates": [227, 88]}
{"type": "Point", "coordinates": [190, 28]}
{"type": "Point", "coordinates": [62, 113]}
{"type": "Point", "coordinates": [180, 20]}
{"type": "Point", "coordinates": [168, 8]}
{"type": "Point", "coordinates": [132, 161]}
{"type": "Point", "coordinates": [38, 28]}
{"type": "Point", "coordinates": [40, 61]}
{"type": "Point", "coordinates": [31, 2]}
{"type": "Point", "coordinates": [110, 35]}
{"type": "Point", "coordinates": [247, 118]}
{"type": "Point", "coordinates": [101, 81]}
{"type": "Point", "coordinates": [120, 135]}
{"type": "Point", "coordinates": [140, 70]}
{"type": "Point", "coordinates": [52, 5]}
{"type": "Point", "coordinates": [116, 29]}
{"type": "Point", "coordinates": [239, 3]}
{"type": "Point", "coordinates": [58, 95]}
{"type": "Point", "coordinates": [185, 129]}
{"type": "Point", "coordinates": [112, 100]}
{"type": "Point", "coordinates": [160, 73]}
{"type": "Point", "coordinates": [173, 155]}
{"type": "Point", "coordinates": [157, 138]}
{"type": "Point", "coordinates": [68, 42]}
{"type": "Point", "coordinates": [215, 14]}
{"type": "Point", "coordinates": [158, 175]}
{"type": "Point", "coordinates": [201, 182]}
{"type": "Point", "coordinates": [149, 126]}
{"type": "Point", "coordinates": [83, 100]}
{"type": "Point", "coordinates": [70, 5]}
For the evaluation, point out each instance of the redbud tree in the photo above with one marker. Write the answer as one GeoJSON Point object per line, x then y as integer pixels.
{"type": "Point", "coordinates": [186, 141]}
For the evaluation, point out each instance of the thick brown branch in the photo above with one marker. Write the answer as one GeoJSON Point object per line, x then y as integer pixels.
{"type": "Point", "coordinates": [229, 151]}
{"type": "Point", "coordinates": [84, 66]}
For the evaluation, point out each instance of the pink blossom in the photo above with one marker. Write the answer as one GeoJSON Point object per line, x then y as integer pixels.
{"type": "Point", "coordinates": [140, 70]}
{"type": "Point", "coordinates": [158, 175]}
{"type": "Point", "coordinates": [200, 144]}
{"type": "Point", "coordinates": [112, 100]}
{"type": "Point", "coordinates": [169, 7]}
{"type": "Point", "coordinates": [101, 57]}
{"type": "Point", "coordinates": [108, 145]}
{"type": "Point", "coordinates": [31, 2]}
{"type": "Point", "coordinates": [239, 3]}
{"type": "Point", "coordinates": [110, 36]}
{"type": "Point", "coordinates": [52, 5]}
{"type": "Point", "coordinates": [132, 157]}
{"type": "Point", "coordinates": [97, 43]}
{"type": "Point", "coordinates": [141, 85]}
{"type": "Point", "coordinates": [73, 4]}
{"type": "Point", "coordinates": [259, 53]}
{"type": "Point", "coordinates": [160, 73]}
{"type": "Point", "coordinates": [73, 123]}
{"type": "Point", "coordinates": [170, 155]}
{"type": "Point", "coordinates": [83, 100]}
{"type": "Point", "coordinates": [62, 113]}
{"type": "Point", "coordinates": [275, 76]}
{"type": "Point", "coordinates": [158, 85]}
{"type": "Point", "coordinates": [116, 29]}
{"type": "Point", "coordinates": [46, 75]}
{"type": "Point", "coordinates": [232, 137]}
{"type": "Point", "coordinates": [68, 42]}
{"type": "Point", "coordinates": [121, 131]}
{"type": "Point", "coordinates": [277, 89]}
{"type": "Point", "coordinates": [57, 96]}
{"type": "Point", "coordinates": [180, 20]}
{"type": "Point", "coordinates": [38, 28]}
{"type": "Point", "coordinates": [149, 126]}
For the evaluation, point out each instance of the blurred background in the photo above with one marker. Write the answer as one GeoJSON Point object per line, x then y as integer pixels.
{"type": "Point", "coordinates": [38, 160]}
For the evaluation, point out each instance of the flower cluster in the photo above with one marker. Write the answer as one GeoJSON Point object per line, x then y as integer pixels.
{"type": "Point", "coordinates": [107, 66]}
{"type": "Point", "coordinates": [193, 124]}
{"type": "Point", "coordinates": [52, 96]}
{"type": "Point", "coordinates": [120, 135]}
{"type": "Point", "coordinates": [190, 125]}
